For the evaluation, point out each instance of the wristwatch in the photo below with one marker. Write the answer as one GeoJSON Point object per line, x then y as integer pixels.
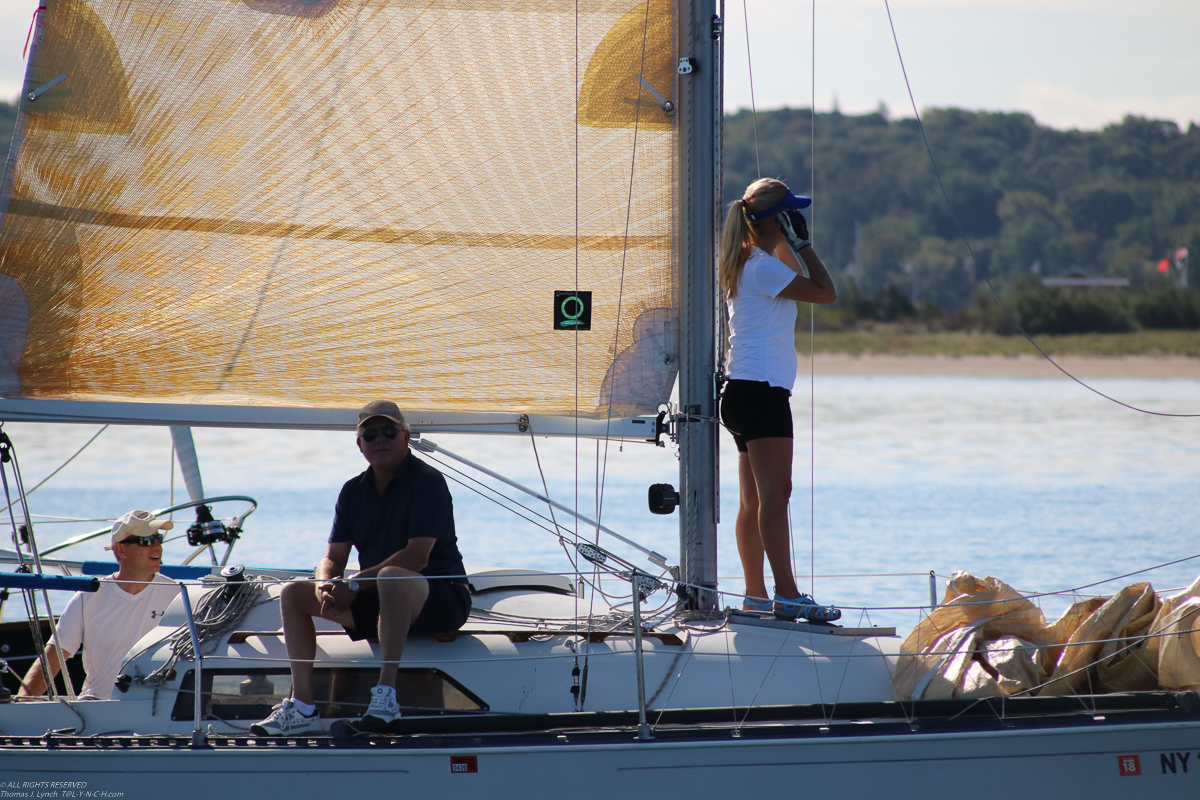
{"type": "Point", "coordinates": [352, 584]}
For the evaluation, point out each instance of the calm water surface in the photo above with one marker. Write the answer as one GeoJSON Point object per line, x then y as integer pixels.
{"type": "Point", "coordinates": [1034, 481]}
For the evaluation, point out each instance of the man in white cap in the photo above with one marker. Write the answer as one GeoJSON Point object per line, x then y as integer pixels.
{"type": "Point", "coordinates": [400, 517]}
{"type": "Point", "coordinates": [108, 622]}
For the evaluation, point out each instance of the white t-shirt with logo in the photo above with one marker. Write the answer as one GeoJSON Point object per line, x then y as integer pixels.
{"type": "Point", "coordinates": [762, 325]}
{"type": "Point", "coordinates": [107, 623]}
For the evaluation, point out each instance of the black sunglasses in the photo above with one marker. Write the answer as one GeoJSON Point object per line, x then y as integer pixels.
{"type": "Point", "coordinates": [371, 434]}
{"type": "Point", "coordinates": [144, 541]}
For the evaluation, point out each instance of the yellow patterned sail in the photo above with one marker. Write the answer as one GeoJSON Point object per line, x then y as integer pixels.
{"type": "Point", "coordinates": [305, 203]}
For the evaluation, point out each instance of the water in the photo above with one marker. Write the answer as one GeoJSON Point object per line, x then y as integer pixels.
{"type": "Point", "coordinates": [1034, 481]}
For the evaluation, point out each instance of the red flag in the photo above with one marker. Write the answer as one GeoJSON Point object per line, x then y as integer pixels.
{"type": "Point", "coordinates": [1164, 265]}
{"type": "Point", "coordinates": [1181, 254]}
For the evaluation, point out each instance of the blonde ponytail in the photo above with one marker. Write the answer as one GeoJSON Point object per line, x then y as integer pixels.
{"type": "Point", "coordinates": [738, 235]}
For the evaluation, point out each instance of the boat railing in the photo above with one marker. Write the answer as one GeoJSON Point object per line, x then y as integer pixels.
{"type": "Point", "coordinates": [645, 730]}
{"type": "Point", "coordinates": [198, 692]}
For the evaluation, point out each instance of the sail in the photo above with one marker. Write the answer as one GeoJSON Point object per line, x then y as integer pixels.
{"type": "Point", "coordinates": [304, 204]}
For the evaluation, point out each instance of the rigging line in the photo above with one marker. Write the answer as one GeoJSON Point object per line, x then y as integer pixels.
{"type": "Point", "coordinates": [721, 312]}
{"type": "Point", "coordinates": [1075, 590]}
{"type": "Point", "coordinates": [570, 553]}
{"type": "Point", "coordinates": [729, 666]}
{"type": "Point", "coordinates": [750, 69]}
{"type": "Point", "coordinates": [1139, 641]}
{"type": "Point", "coordinates": [557, 531]}
{"type": "Point", "coordinates": [515, 506]}
{"type": "Point", "coordinates": [666, 679]}
{"type": "Point", "coordinates": [10, 456]}
{"type": "Point", "coordinates": [463, 481]}
{"type": "Point", "coordinates": [812, 453]}
{"type": "Point", "coordinates": [739, 724]}
{"type": "Point", "coordinates": [61, 466]}
{"type": "Point", "coordinates": [545, 488]}
{"type": "Point", "coordinates": [846, 668]}
{"type": "Point", "coordinates": [171, 516]}
{"type": "Point", "coordinates": [950, 208]}
{"type": "Point", "coordinates": [824, 575]}
{"type": "Point", "coordinates": [812, 327]}
{"type": "Point", "coordinates": [637, 117]}
{"type": "Point", "coordinates": [574, 561]}
{"type": "Point", "coordinates": [1119, 577]}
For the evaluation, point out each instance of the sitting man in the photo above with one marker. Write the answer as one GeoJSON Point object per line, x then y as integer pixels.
{"type": "Point", "coordinates": [399, 516]}
{"type": "Point", "coordinates": [108, 622]}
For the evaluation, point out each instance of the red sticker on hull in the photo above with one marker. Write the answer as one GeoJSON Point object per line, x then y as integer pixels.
{"type": "Point", "coordinates": [467, 763]}
{"type": "Point", "coordinates": [1129, 765]}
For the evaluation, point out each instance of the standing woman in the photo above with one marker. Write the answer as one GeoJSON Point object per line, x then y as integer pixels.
{"type": "Point", "coordinates": [762, 279]}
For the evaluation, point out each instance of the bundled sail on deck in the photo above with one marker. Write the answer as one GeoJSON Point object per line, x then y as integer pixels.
{"type": "Point", "coordinates": [305, 203]}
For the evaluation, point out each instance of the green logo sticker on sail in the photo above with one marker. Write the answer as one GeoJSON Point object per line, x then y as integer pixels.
{"type": "Point", "coordinates": [572, 311]}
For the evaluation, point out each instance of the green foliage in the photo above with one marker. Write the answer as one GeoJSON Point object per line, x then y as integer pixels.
{"type": "Point", "coordinates": [1041, 310]}
{"type": "Point", "coordinates": [1028, 198]}
{"type": "Point", "coordinates": [1167, 310]}
{"type": "Point", "coordinates": [887, 306]}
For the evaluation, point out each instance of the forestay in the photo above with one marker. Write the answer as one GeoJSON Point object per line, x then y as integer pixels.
{"type": "Point", "coordinates": [305, 203]}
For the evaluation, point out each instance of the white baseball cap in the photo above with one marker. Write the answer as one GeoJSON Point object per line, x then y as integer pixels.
{"type": "Point", "coordinates": [138, 523]}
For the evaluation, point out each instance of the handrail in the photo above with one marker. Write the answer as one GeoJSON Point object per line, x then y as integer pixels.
{"type": "Point", "coordinates": [635, 578]}
{"type": "Point", "coordinates": [86, 537]}
{"type": "Point", "coordinates": [198, 739]}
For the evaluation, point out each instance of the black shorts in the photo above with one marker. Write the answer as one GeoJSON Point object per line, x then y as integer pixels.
{"type": "Point", "coordinates": [755, 410]}
{"type": "Point", "coordinates": [446, 609]}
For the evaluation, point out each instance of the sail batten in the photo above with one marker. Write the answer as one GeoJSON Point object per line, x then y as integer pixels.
{"type": "Point", "coordinates": [295, 204]}
{"type": "Point", "coordinates": [279, 230]}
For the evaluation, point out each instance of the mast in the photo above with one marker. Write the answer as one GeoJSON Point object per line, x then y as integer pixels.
{"type": "Point", "coordinates": [700, 152]}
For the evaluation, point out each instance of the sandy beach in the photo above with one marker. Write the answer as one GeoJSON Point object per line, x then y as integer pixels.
{"type": "Point", "coordinates": [1024, 366]}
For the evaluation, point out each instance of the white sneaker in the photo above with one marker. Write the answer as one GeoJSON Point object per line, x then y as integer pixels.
{"type": "Point", "coordinates": [383, 709]}
{"type": "Point", "coordinates": [287, 720]}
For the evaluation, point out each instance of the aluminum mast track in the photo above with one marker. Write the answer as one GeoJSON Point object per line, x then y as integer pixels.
{"type": "Point", "coordinates": [700, 144]}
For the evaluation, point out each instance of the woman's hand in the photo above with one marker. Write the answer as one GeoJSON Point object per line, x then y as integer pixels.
{"type": "Point", "coordinates": [795, 229]}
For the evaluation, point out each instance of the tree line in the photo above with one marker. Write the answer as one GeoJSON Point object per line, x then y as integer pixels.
{"type": "Point", "coordinates": [1032, 202]}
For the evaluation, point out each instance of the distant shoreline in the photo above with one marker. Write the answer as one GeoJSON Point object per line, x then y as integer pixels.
{"type": "Point", "coordinates": [1022, 366]}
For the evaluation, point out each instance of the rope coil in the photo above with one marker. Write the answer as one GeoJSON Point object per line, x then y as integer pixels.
{"type": "Point", "coordinates": [215, 616]}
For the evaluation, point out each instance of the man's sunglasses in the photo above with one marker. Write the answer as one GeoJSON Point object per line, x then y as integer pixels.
{"type": "Point", "coordinates": [144, 541]}
{"type": "Point", "coordinates": [371, 434]}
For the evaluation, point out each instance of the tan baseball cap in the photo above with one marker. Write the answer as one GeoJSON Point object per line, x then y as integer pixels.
{"type": "Point", "coordinates": [381, 408]}
{"type": "Point", "coordinates": [138, 523]}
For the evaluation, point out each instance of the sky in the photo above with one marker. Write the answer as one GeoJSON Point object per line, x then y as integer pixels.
{"type": "Point", "coordinates": [1070, 63]}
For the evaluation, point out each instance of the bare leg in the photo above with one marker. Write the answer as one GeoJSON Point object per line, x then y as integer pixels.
{"type": "Point", "coordinates": [770, 462]}
{"type": "Point", "coordinates": [298, 605]}
{"type": "Point", "coordinates": [749, 541]}
{"type": "Point", "coordinates": [400, 603]}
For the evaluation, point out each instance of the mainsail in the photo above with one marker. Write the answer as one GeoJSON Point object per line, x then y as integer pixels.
{"type": "Point", "coordinates": [307, 203]}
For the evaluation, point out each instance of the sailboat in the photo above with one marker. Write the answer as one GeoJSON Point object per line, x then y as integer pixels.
{"type": "Point", "coordinates": [501, 214]}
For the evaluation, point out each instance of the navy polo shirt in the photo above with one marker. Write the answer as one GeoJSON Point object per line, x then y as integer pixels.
{"type": "Point", "coordinates": [417, 504]}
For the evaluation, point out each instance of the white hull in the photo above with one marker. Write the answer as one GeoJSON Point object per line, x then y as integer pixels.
{"type": "Point", "coordinates": [1043, 763]}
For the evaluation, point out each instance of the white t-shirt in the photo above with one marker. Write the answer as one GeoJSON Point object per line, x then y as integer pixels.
{"type": "Point", "coordinates": [762, 325]}
{"type": "Point", "coordinates": [107, 623]}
